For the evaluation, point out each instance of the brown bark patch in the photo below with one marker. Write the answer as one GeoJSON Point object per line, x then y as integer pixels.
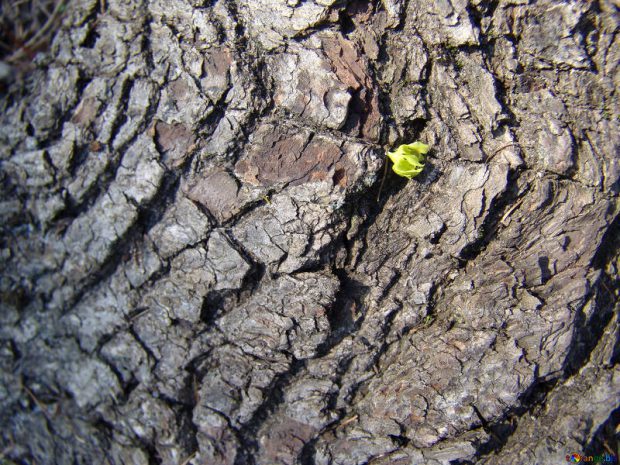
{"type": "Point", "coordinates": [219, 193]}
{"type": "Point", "coordinates": [352, 69]}
{"type": "Point", "coordinates": [285, 440]}
{"type": "Point", "coordinates": [281, 157]}
{"type": "Point", "coordinates": [175, 141]}
{"type": "Point", "coordinates": [86, 112]}
{"type": "Point", "coordinates": [216, 68]}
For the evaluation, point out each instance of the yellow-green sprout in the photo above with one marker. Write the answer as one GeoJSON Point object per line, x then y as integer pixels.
{"type": "Point", "coordinates": [408, 159]}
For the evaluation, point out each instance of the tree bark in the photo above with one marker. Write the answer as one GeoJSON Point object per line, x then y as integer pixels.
{"type": "Point", "coordinates": [204, 264]}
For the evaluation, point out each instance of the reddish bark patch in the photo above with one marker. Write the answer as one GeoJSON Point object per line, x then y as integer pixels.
{"type": "Point", "coordinates": [95, 146]}
{"type": "Point", "coordinates": [175, 141]}
{"type": "Point", "coordinates": [217, 61]}
{"type": "Point", "coordinates": [352, 69]}
{"type": "Point", "coordinates": [285, 440]}
{"type": "Point", "coordinates": [216, 67]}
{"type": "Point", "coordinates": [180, 90]}
{"type": "Point", "coordinates": [219, 193]}
{"type": "Point", "coordinates": [86, 112]}
{"type": "Point", "coordinates": [282, 157]}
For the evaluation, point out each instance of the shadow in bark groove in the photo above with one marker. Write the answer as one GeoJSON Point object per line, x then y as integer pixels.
{"type": "Point", "coordinates": [588, 332]}
{"type": "Point", "coordinates": [187, 428]}
{"type": "Point", "coordinates": [342, 313]}
{"type": "Point", "coordinates": [606, 438]}
{"type": "Point", "coordinates": [493, 219]}
{"type": "Point", "coordinates": [248, 443]}
{"type": "Point", "coordinates": [501, 430]}
{"type": "Point", "coordinates": [215, 304]}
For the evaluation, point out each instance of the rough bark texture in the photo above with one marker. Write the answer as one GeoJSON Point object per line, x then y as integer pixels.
{"type": "Point", "coordinates": [196, 268]}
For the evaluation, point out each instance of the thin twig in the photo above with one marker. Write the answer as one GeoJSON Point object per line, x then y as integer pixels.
{"type": "Point", "coordinates": [348, 421]}
{"type": "Point", "coordinates": [43, 7]}
{"type": "Point", "coordinates": [35, 40]}
{"type": "Point", "coordinates": [606, 446]}
{"type": "Point", "coordinates": [499, 150]}
{"type": "Point", "coordinates": [510, 211]}
{"type": "Point", "coordinates": [36, 401]}
{"type": "Point", "coordinates": [188, 459]}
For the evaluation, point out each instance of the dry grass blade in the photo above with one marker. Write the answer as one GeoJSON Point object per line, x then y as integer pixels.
{"type": "Point", "coordinates": [26, 27]}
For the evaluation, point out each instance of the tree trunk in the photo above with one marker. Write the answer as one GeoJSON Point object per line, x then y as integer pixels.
{"type": "Point", "coordinates": [207, 261]}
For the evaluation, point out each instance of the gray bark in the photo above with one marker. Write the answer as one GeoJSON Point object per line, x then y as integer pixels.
{"type": "Point", "coordinates": [197, 268]}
